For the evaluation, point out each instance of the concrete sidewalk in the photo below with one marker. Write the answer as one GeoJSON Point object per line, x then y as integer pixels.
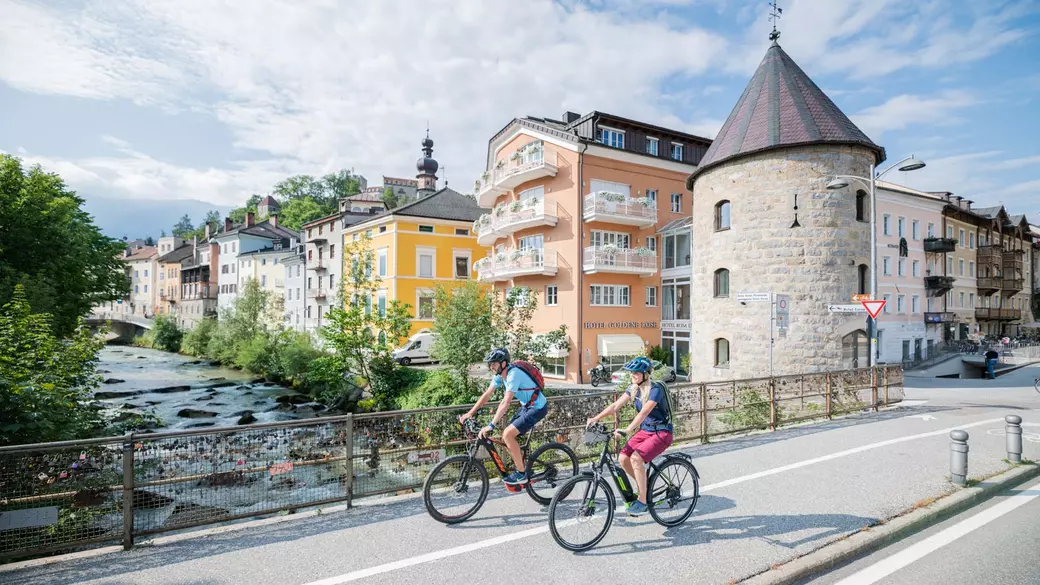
{"type": "Point", "coordinates": [766, 499]}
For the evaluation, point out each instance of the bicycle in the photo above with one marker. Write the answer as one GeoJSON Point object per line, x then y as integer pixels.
{"type": "Point", "coordinates": [664, 484]}
{"type": "Point", "coordinates": [462, 475]}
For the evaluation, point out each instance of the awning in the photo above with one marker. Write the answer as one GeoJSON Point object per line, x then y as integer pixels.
{"type": "Point", "coordinates": [629, 344]}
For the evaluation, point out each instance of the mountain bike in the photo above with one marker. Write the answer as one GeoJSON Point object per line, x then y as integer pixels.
{"type": "Point", "coordinates": [588, 497]}
{"type": "Point", "coordinates": [460, 478]}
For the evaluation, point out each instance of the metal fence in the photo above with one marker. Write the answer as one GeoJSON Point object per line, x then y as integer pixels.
{"type": "Point", "coordinates": [62, 496]}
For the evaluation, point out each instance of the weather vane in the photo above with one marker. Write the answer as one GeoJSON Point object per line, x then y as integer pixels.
{"type": "Point", "coordinates": [774, 16]}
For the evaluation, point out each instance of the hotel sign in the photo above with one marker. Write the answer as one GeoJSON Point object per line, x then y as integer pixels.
{"type": "Point", "coordinates": [621, 325]}
{"type": "Point", "coordinates": [681, 324]}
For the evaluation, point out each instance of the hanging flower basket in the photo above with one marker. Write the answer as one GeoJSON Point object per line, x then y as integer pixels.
{"type": "Point", "coordinates": [644, 252]}
{"type": "Point", "coordinates": [517, 254]}
{"type": "Point", "coordinates": [500, 210]}
{"type": "Point", "coordinates": [533, 202]}
{"type": "Point", "coordinates": [476, 185]}
{"type": "Point", "coordinates": [501, 257]}
{"type": "Point", "coordinates": [644, 201]}
{"type": "Point", "coordinates": [609, 249]}
{"type": "Point", "coordinates": [610, 196]}
{"type": "Point", "coordinates": [500, 164]}
{"type": "Point", "coordinates": [515, 156]}
{"type": "Point", "coordinates": [482, 263]}
{"type": "Point", "coordinates": [485, 176]}
{"type": "Point", "coordinates": [516, 206]}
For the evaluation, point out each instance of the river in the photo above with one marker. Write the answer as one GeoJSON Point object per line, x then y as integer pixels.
{"type": "Point", "coordinates": [185, 393]}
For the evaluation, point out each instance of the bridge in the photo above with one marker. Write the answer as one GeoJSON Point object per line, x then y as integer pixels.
{"type": "Point", "coordinates": [123, 326]}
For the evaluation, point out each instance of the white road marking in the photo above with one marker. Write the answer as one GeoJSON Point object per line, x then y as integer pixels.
{"type": "Point", "coordinates": [910, 403]}
{"type": "Point", "coordinates": [882, 569]}
{"type": "Point", "coordinates": [922, 416]}
{"type": "Point", "coordinates": [467, 548]}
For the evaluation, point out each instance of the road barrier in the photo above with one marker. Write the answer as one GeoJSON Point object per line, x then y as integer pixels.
{"type": "Point", "coordinates": [56, 497]}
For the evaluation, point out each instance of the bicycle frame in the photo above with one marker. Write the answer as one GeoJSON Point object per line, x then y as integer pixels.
{"type": "Point", "coordinates": [617, 473]}
{"type": "Point", "coordinates": [489, 444]}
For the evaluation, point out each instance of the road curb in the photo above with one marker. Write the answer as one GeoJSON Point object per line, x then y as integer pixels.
{"type": "Point", "coordinates": [870, 539]}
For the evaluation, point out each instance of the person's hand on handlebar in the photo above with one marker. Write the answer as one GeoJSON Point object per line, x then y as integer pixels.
{"type": "Point", "coordinates": [620, 433]}
{"type": "Point", "coordinates": [464, 418]}
{"type": "Point", "coordinates": [484, 432]}
{"type": "Point", "coordinates": [591, 421]}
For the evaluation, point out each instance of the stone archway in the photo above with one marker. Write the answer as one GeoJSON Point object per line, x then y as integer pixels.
{"type": "Point", "coordinates": [854, 351]}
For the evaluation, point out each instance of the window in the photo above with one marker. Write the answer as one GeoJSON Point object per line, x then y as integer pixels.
{"type": "Point", "coordinates": [888, 301]}
{"type": "Point", "coordinates": [298, 297]}
{"type": "Point", "coordinates": [901, 267]}
{"type": "Point", "coordinates": [651, 243]}
{"type": "Point", "coordinates": [608, 295]}
{"type": "Point", "coordinates": [961, 240]}
{"type": "Point", "coordinates": [960, 267]}
{"type": "Point", "coordinates": [382, 229]}
{"type": "Point", "coordinates": [861, 206]}
{"type": "Point", "coordinates": [960, 300]}
{"type": "Point", "coordinates": [424, 262]}
{"type": "Point", "coordinates": [297, 270]}
{"type": "Point", "coordinates": [931, 304]}
{"type": "Point", "coordinates": [676, 202]}
{"type": "Point", "coordinates": [721, 283]}
{"type": "Point", "coordinates": [555, 367]}
{"type": "Point", "coordinates": [461, 232]}
{"type": "Point", "coordinates": [915, 230]}
{"type": "Point", "coordinates": [886, 224]}
{"type": "Point", "coordinates": [146, 288]}
{"type": "Point", "coordinates": [900, 303]}
{"type": "Point", "coordinates": [651, 146]}
{"type": "Point", "coordinates": [722, 215]}
{"type": "Point", "coordinates": [949, 266]}
{"type": "Point", "coordinates": [677, 151]}
{"type": "Point", "coordinates": [597, 238]}
{"type": "Point", "coordinates": [310, 283]}
{"type": "Point", "coordinates": [721, 353]}
{"type": "Point", "coordinates": [915, 304]}
{"type": "Point", "coordinates": [651, 296]}
{"type": "Point", "coordinates": [426, 229]}
{"type": "Point", "coordinates": [381, 303]}
{"type": "Point", "coordinates": [424, 304]}
{"type": "Point", "coordinates": [949, 232]}
{"type": "Point", "coordinates": [916, 269]}
{"type": "Point", "coordinates": [263, 280]}
{"type": "Point", "coordinates": [971, 241]}
{"type": "Point", "coordinates": [676, 250]}
{"type": "Point", "coordinates": [146, 274]}
{"type": "Point", "coordinates": [971, 269]}
{"type": "Point", "coordinates": [610, 137]}
{"type": "Point", "coordinates": [886, 266]}
{"type": "Point", "coordinates": [332, 250]}
{"type": "Point", "coordinates": [551, 295]}
{"type": "Point", "coordinates": [971, 300]}
{"type": "Point", "coordinates": [906, 350]}
{"type": "Point", "coordinates": [651, 194]}
{"type": "Point", "coordinates": [461, 266]}
{"type": "Point", "coordinates": [381, 261]}
{"type": "Point", "coordinates": [863, 273]}
{"type": "Point", "coordinates": [931, 230]}
{"type": "Point", "coordinates": [901, 226]}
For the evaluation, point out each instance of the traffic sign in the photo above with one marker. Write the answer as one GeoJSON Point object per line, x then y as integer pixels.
{"type": "Point", "coordinates": [783, 313]}
{"type": "Point", "coordinates": [860, 297]}
{"type": "Point", "coordinates": [753, 297]}
{"type": "Point", "coordinates": [874, 307]}
{"type": "Point", "coordinates": [846, 309]}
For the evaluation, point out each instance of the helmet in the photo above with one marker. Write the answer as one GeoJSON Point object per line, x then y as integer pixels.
{"type": "Point", "coordinates": [639, 364]}
{"type": "Point", "coordinates": [499, 354]}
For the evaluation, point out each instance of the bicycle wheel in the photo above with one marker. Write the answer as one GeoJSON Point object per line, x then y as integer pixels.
{"type": "Point", "coordinates": [455, 489]}
{"type": "Point", "coordinates": [549, 467]}
{"type": "Point", "coordinates": [575, 512]}
{"type": "Point", "coordinates": [674, 490]}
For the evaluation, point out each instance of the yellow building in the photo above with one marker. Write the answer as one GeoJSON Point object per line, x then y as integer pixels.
{"type": "Point", "coordinates": [420, 246]}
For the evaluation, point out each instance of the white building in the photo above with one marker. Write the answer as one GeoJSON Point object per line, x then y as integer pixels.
{"type": "Point", "coordinates": [246, 238]}
{"type": "Point", "coordinates": [142, 266]}
{"type": "Point", "coordinates": [323, 247]}
{"type": "Point", "coordinates": [295, 289]}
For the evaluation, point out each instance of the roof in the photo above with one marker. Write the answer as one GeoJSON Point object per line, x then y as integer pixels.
{"type": "Point", "coordinates": [444, 204]}
{"type": "Point", "coordinates": [911, 191]}
{"type": "Point", "coordinates": [676, 224]}
{"type": "Point", "coordinates": [325, 219]}
{"type": "Point", "coordinates": [269, 201]}
{"type": "Point", "coordinates": [369, 196]}
{"type": "Point", "coordinates": [781, 107]}
{"type": "Point", "coordinates": [264, 251]}
{"type": "Point", "coordinates": [180, 254]}
{"type": "Point", "coordinates": [141, 254]}
{"type": "Point", "coordinates": [990, 212]}
{"type": "Point", "coordinates": [263, 229]}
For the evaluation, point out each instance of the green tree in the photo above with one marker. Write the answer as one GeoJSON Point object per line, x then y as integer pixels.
{"type": "Point", "coordinates": [50, 245]}
{"type": "Point", "coordinates": [390, 198]}
{"type": "Point", "coordinates": [183, 228]}
{"type": "Point", "coordinates": [165, 334]}
{"type": "Point", "coordinates": [149, 241]}
{"type": "Point", "coordinates": [339, 185]}
{"type": "Point", "coordinates": [45, 382]}
{"type": "Point", "coordinates": [297, 212]}
{"type": "Point", "coordinates": [252, 315]}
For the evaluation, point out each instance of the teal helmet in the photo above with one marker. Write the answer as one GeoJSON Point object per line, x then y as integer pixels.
{"type": "Point", "coordinates": [639, 364]}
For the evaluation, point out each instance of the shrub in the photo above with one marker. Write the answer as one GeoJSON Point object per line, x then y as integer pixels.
{"type": "Point", "coordinates": [256, 356]}
{"type": "Point", "coordinates": [660, 354]}
{"type": "Point", "coordinates": [441, 388]}
{"type": "Point", "coordinates": [295, 351]}
{"type": "Point", "coordinates": [165, 334]}
{"type": "Point", "coordinates": [196, 341]}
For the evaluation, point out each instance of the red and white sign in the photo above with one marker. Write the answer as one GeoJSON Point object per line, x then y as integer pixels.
{"type": "Point", "coordinates": [280, 468]}
{"type": "Point", "coordinates": [874, 307]}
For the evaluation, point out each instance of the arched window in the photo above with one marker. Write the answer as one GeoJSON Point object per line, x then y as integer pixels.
{"type": "Point", "coordinates": [721, 283]}
{"type": "Point", "coordinates": [861, 206]}
{"type": "Point", "coordinates": [721, 353]}
{"type": "Point", "coordinates": [862, 284]}
{"type": "Point", "coordinates": [722, 215]}
{"type": "Point", "coordinates": [854, 350]}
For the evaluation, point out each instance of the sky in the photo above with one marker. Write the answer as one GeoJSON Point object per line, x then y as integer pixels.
{"type": "Point", "coordinates": [212, 101]}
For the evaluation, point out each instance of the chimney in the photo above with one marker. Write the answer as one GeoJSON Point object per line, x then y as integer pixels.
{"type": "Point", "coordinates": [273, 218]}
{"type": "Point", "coordinates": [249, 219]}
{"type": "Point", "coordinates": [207, 232]}
{"type": "Point", "coordinates": [195, 248]}
{"type": "Point", "coordinates": [227, 224]}
{"type": "Point", "coordinates": [569, 117]}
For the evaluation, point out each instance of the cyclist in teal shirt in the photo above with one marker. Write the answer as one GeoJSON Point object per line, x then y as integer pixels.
{"type": "Point", "coordinates": [533, 408]}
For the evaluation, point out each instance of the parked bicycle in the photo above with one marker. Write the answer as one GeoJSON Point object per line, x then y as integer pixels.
{"type": "Point", "coordinates": [674, 488]}
{"type": "Point", "coordinates": [457, 487]}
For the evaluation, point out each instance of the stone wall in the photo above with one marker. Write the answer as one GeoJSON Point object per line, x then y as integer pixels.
{"type": "Point", "coordinates": [816, 264]}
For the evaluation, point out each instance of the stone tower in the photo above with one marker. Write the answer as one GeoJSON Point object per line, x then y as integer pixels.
{"type": "Point", "coordinates": [427, 168]}
{"type": "Point", "coordinates": [782, 143]}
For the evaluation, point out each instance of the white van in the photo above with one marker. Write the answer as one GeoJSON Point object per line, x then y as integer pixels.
{"type": "Point", "coordinates": [417, 350]}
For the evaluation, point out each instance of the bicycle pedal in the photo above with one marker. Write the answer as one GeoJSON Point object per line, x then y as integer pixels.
{"type": "Point", "coordinates": [514, 488]}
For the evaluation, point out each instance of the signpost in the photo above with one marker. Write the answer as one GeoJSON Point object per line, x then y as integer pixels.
{"type": "Point", "coordinates": [860, 297]}
{"type": "Point", "coordinates": [763, 297]}
{"type": "Point", "coordinates": [874, 308]}
{"type": "Point", "coordinates": [846, 309]}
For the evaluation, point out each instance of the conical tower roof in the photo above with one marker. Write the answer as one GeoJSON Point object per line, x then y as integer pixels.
{"type": "Point", "coordinates": [781, 107]}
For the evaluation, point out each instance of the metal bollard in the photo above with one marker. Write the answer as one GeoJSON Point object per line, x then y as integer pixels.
{"type": "Point", "coordinates": [959, 457]}
{"type": "Point", "coordinates": [1013, 430]}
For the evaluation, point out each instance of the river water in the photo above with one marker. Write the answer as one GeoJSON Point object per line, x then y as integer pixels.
{"type": "Point", "coordinates": [187, 394]}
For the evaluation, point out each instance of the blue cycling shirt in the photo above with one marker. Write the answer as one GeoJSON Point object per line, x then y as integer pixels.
{"type": "Point", "coordinates": [658, 419]}
{"type": "Point", "coordinates": [522, 387]}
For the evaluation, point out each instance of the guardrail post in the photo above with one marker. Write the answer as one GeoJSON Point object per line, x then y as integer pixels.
{"type": "Point", "coordinates": [873, 388]}
{"type": "Point", "coordinates": [829, 413]}
{"type": "Point", "coordinates": [959, 457]}
{"type": "Point", "coordinates": [349, 461]}
{"type": "Point", "coordinates": [128, 491]}
{"type": "Point", "coordinates": [772, 404]}
{"type": "Point", "coordinates": [704, 413]}
{"type": "Point", "coordinates": [1013, 431]}
{"type": "Point", "coordinates": [886, 386]}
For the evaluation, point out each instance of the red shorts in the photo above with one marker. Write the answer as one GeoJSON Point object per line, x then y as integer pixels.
{"type": "Point", "coordinates": [648, 445]}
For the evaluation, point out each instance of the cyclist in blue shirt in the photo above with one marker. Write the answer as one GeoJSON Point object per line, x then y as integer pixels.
{"type": "Point", "coordinates": [533, 408]}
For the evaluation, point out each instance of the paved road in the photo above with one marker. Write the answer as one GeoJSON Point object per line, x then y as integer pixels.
{"type": "Point", "coordinates": [766, 499]}
{"type": "Point", "coordinates": [997, 543]}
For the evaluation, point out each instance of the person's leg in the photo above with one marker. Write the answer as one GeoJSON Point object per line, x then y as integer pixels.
{"type": "Point", "coordinates": [639, 473]}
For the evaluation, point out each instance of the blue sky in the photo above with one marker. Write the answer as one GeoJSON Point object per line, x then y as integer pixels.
{"type": "Point", "coordinates": [193, 99]}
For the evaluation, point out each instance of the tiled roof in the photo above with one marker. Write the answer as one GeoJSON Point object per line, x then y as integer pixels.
{"type": "Point", "coordinates": [178, 255]}
{"type": "Point", "coordinates": [444, 204]}
{"type": "Point", "coordinates": [990, 212]}
{"type": "Point", "coordinates": [263, 229]}
{"type": "Point", "coordinates": [141, 254]}
{"type": "Point", "coordinates": [781, 107]}
{"type": "Point", "coordinates": [269, 201]}
{"type": "Point", "coordinates": [368, 196]}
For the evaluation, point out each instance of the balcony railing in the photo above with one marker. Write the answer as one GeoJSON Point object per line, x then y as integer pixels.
{"type": "Point", "coordinates": [317, 293]}
{"type": "Point", "coordinates": [940, 245]}
{"type": "Point", "coordinates": [990, 254]}
{"type": "Point", "coordinates": [931, 318]}
{"type": "Point", "coordinates": [196, 294]}
{"type": "Point", "coordinates": [1012, 285]}
{"type": "Point", "coordinates": [514, 263]}
{"type": "Point", "coordinates": [990, 314]}
{"type": "Point", "coordinates": [507, 175]}
{"type": "Point", "coordinates": [319, 265]}
{"type": "Point", "coordinates": [610, 207]}
{"type": "Point", "coordinates": [516, 216]}
{"type": "Point", "coordinates": [937, 286]}
{"type": "Point", "coordinates": [619, 260]}
{"type": "Point", "coordinates": [988, 284]}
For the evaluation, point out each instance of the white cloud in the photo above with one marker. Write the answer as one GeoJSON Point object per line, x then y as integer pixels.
{"type": "Point", "coordinates": [902, 111]}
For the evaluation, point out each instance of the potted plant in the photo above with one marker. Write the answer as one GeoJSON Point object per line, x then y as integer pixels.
{"type": "Point", "coordinates": [485, 176]}
{"type": "Point", "coordinates": [516, 206]}
{"type": "Point", "coordinates": [610, 196]}
{"type": "Point", "coordinates": [500, 164]}
{"type": "Point", "coordinates": [500, 210]}
{"type": "Point", "coordinates": [476, 184]}
{"type": "Point", "coordinates": [644, 252]}
{"type": "Point", "coordinates": [517, 254]}
{"type": "Point", "coordinates": [609, 249]}
{"type": "Point", "coordinates": [533, 202]}
{"type": "Point", "coordinates": [515, 156]}
{"type": "Point", "coordinates": [644, 201]}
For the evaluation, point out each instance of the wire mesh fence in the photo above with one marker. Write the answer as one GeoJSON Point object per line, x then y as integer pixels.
{"type": "Point", "coordinates": [62, 496]}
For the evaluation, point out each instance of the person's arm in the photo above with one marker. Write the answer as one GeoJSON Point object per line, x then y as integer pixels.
{"type": "Point", "coordinates": [609, 410]}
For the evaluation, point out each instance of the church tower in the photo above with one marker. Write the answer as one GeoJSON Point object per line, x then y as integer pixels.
{"type": "Point", "coordinates": [427, 168]}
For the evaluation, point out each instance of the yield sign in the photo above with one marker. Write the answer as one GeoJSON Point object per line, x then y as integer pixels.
{"type": "Point", "coordinates": [873, 307]}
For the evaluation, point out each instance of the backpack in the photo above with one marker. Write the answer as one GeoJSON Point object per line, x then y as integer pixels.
{"type": "Point", "coordinates": [667, 399]}
{"type": "Point", "coordinates": [535, 374]}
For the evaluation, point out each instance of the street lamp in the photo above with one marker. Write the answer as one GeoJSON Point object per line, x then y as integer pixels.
{"type": "Point", "coordinates": [840, 182]}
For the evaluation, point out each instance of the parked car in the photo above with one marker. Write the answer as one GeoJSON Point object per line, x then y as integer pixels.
{"type": "Point", "coordinates": [661, 371]}
{"type": "Point", "coordinates": [416, 350]}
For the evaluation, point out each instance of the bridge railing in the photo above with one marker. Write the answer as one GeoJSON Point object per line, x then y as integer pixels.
{"type": "Point", "coordinates": [125, 317]}
{"type": "Point", "coordinates": [64, 496]}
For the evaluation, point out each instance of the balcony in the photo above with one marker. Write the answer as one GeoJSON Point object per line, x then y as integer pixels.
{"type": "Point", "coordinates": [319, 265]}
{"type": "Point", "coordinates": [519, 215]}
{"type": "Point", "coordinates": [317, 293]}
{"type": "Point", "coordinates": [934, 318]}
{"type": "Point", "coordinates": [988, 285]}
{"type": "Point", "coordinates": [989, 314]}
{"type": "Point", "coordinates": [940, 245]}
{"type": "Point", "coordinates": [515, 263]}
{"type": "Point", "coordinates": [198, 294]}
{"type": "Point", "coordinates": [1011, 286]}
{"type": "Point", "coordinates": [990, 254]}
{"type": "Point", "coordinates": [937, 286]}
{"type": "Point", "coordinates": [525, 165]}
{"type": "Point", "coordinates": [609, 259]}
{"type": "Point", "coordinates": [608, 207]}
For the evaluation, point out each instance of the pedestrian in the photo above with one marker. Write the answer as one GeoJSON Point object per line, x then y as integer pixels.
{"type": "Point", "coordinates": [991, 361]}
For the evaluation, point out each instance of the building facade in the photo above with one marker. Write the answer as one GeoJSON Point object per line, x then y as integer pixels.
{"type": "Point", "coordinates": [295, 289]}
{"type": "Point", "coordinates": [199, 283]}
{"type": "Point", "coordinates": [243, 239]}
{"type": "Point", "coordinates": [323, 247]}
{"type": "Point", "coordinates": [168, 282]}
{"type": "Point", "coordinates": [265, 267]}
{"type": "Point", "coordinates": [141, 267]}
{"type": "Point", "coordinates": [576, 209]}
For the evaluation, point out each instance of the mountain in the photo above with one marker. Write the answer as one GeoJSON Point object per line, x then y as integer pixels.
{"type": "Point", "coordinates": [140, 218]}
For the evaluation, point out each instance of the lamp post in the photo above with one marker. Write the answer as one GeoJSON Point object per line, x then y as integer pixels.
{"type": "Point", "coordinates": [840, 182]}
